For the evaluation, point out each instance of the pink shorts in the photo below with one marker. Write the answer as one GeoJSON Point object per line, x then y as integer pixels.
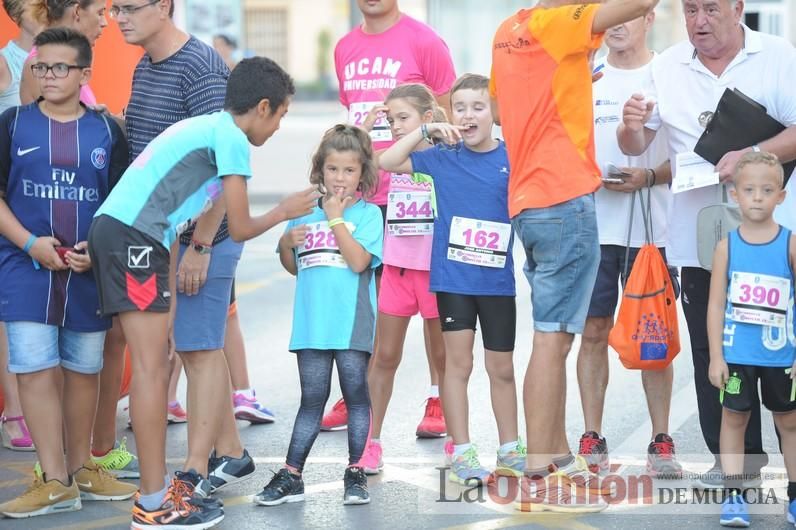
{"type": "Point", "coordinates": [404, 293]}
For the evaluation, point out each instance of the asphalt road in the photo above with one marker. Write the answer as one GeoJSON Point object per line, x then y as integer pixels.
{"type": "Point", "coordinates": [409, 493]}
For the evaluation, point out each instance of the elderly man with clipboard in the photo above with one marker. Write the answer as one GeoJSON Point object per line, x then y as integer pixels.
{"type": "Point", "coordinates": [685, 87]}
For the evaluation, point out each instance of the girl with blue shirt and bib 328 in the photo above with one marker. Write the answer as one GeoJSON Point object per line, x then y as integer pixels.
{"type": "Point", "coordinates": [751, 327]}
{"type": "Point", "coordinates": [333, 252]}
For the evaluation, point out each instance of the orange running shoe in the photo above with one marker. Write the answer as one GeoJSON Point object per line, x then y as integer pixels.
{"type": "Point", "coordinates": [176, 512]}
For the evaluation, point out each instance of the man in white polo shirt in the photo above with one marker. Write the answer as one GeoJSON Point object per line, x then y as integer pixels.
{"type": "Point", "coordinates": [686, 83]}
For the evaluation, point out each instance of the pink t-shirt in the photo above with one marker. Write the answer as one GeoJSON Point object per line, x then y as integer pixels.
{"type": "Point", "coordinates": [86, 94]}
{"type": "Point", "coordinates": [369, 66]}
{"type": "Point", "coordinates": [408, 212]}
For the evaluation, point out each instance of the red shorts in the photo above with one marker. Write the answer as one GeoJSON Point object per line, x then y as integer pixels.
{"type": "Point", "coordinates": [404, 293]}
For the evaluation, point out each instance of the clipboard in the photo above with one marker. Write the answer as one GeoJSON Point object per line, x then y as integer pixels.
{"type": "Point", "coordinates": [738, 122]}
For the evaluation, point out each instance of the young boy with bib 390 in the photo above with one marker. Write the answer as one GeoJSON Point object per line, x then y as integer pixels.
{"type": "Point", "coordinates": [751, 327]}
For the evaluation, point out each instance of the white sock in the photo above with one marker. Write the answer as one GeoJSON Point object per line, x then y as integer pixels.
{"type": "Point", "coordinates": [153, 501]}
{"type": "Point", "coordinates": [507, 447]}
{"type": "Point", "coordinates": [459, 450]}
{"type": "Point", "coordinates": [248, 393]}
{"type": "Point", "coordinates": [434, 392]}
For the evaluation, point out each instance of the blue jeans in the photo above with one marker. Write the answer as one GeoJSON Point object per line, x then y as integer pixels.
{"type": "Point", "coordinates": [562, 252]}
{"type": "Point", "coordinates": [201, 320]}
{"type": "Point", "coordinates": [33, 347]}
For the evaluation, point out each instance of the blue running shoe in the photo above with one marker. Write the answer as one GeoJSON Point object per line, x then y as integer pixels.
{"type": "Point", "coordinates": [466, 469]}
{"type": "Point", "coordinates": [792, 513]}
{"type": "Point", "coordinates": [512, 463]}
{"type": "Point", "coordinates": [734, 512]}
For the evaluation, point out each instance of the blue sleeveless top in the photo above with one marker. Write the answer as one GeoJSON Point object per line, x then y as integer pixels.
{"type": "Point", "coordinates": [755, 344]}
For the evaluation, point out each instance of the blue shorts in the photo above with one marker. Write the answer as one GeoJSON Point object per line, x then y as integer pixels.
{"type": "Point", "coordinates": [201, 320]}
{"type": "Point", "coordinates": [33, 347]}
{"type": "Point", "coordinates": [562, 253]}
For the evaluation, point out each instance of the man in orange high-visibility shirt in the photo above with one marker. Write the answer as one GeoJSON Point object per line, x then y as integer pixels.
{"type": "Point", "coordinates": [541, 80]}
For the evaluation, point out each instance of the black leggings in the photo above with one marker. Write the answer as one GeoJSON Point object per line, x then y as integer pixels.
{"type": "Point", "coordinates": [315, 374]}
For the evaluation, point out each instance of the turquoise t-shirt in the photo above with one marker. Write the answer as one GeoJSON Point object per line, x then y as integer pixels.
{"type": "Point", "coordinates": [334, 307]}
{"type": "Point", "coordinates": [178, 176]}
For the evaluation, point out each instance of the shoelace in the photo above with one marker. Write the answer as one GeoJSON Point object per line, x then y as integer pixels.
{"type": "Point", "coordinates": [281, 480]}
{"type": "Point", "coordinates": [371, 449]}
{"type": "Point", "coordinates": [354, 477]}
{"type": "Point", "coordinates": [433, 407]}
{"type": "Point", "coordinates": [181, 496]}
{"type": "Point", "coordinates": [664, 450]}
{"type": "Point", "coordinates": [103, 476]}
{"type": "Point", "coordinates": [587, 445]}
{"type": "Point", "coordinates": [471, 457]}
{"type": "Point", "coordinates": [33, 489]}
{"type": "Point", "coordinates": [120, 456]}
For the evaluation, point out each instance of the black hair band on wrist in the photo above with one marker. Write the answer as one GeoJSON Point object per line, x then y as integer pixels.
{"type": "Point", "coordinates": [653, 178]}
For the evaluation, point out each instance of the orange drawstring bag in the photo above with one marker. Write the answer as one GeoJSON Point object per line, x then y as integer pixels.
{"type": "Point", "coordinates": [646, 333]}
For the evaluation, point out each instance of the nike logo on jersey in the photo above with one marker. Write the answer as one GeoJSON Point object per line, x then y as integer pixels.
{"type": "Point", "coordinates": [23, 152]}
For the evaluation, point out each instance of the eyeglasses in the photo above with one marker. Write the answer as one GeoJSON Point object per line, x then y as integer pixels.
{"type": "Point", "coordinates": [59, 70]}
{"type": "Point", "coordinates": [115, 10]}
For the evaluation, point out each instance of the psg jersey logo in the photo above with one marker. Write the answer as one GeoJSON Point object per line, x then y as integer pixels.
{"type": "Point", "coordinates": [99, 158]}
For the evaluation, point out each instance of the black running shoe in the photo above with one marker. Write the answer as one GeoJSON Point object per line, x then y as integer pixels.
{"type": "Point", "coordinates": [196, 488]}
{"type": "Point", "coordinates": [225, 470]}
{"type": "Point", "coordinates": [284, 487]}
{"type": "Point", "coordinates": [355, 484]}
{"type": "Point", "coordinates": [175, 512]}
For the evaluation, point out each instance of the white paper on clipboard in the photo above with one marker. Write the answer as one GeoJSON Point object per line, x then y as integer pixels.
{"type": "Point", "coordinates": [692, 171]}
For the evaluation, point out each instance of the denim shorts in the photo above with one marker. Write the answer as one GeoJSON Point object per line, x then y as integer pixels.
{"type": "Point", "coordinates": [562, 253]}
{"type": "Point", "coordinates": [33, 347]}
{"type": "Point", "coordinates": [201, 320]}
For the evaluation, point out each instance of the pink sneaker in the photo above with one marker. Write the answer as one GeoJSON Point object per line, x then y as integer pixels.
{"type": "Point", "coordinates": [24, 442]}
{"type": "Point", "coordinates": [337, 418]}
{"type": "Point", "coordinates": [448, 452]}
{"type": "Point", "coordinates": [177, 414]}
{"type": "Point", "coordinates": [250, 409]}
{"type": "Point", "coordinates": [433, 423]}
{"type": "Point", "coordinates": [371, 460]}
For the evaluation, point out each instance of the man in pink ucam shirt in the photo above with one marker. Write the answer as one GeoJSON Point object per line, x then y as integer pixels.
{"type": "Point", "coordinates": [389, 49]}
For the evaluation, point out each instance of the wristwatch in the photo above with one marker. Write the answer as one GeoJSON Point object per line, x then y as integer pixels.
{"type": "Point", "coordinates": [201, 248]}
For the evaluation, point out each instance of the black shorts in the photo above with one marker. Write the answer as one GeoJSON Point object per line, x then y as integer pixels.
{"type": "Point", "coordinates": [232, 293]}
{"type": "Point", "coordinates": [605, 295]}
{"type": "Point", "coordinates": [497, 314]}
{"type": "Point", "coordinates": [776, 388]}
{"type": "Point", "coordinates": [130, 267]}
